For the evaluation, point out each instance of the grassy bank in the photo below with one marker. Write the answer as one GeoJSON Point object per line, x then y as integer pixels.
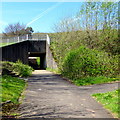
{"type": "Point", "coordinates": [11, 88]}
{"type": "Point", "coordinates": [11, 91]}
{"type": "Point", "coordinates": [110, 101]}
{"type": "Point", "coordinates": [94, 80]}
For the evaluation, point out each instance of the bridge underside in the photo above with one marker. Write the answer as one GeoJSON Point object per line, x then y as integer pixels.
{"type": "Point", "coordinates": [34, 64]}
{"type": "Point", "coordinates": [23, 50]}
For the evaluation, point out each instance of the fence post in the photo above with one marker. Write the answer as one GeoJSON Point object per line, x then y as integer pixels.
{"type": "Point", "coordinates": [27, 37]}
{"type": "Point", "coordinates": [18, 39]}
{"type": "Point", "coordinates": [7, 41]}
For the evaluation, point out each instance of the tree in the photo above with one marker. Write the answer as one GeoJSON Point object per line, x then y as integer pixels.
{"type": "Point", "coordinates": [17, 29]}
{"type": "Point", "coordinates": [29, 30]}
{"type": "Point", "coordinates": [67, 25]}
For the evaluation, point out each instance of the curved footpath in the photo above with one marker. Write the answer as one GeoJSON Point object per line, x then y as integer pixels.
{"type": "Point", "coordinates": [50, 96]}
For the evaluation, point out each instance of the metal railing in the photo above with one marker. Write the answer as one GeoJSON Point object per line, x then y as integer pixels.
{"type": "Point", "coordinates": [17, 39]}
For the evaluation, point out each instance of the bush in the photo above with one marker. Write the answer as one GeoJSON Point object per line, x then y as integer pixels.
{"type": "Point", "coordinates": [18, 68]}
{"type": "Point", "coordinates": [85, 62]}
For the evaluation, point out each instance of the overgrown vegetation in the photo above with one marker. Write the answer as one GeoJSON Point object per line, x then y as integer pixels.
{"type": "Point", "coordinates": [12, 88]}
{"type": "Point", "coordinates": [85, 62]}
{"type": "Point", "coordinates": [82, 64]}
{"type": "Point", "coordinates": [88, 44]}
{"type": "Point", "coordinates": [110, 100]}
{"type": "Point", "coordinates": [17, 68]}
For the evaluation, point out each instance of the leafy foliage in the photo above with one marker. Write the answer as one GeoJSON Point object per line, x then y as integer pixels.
{"type": "Point", "coordinates": [94, 28]}
{"type": "Point", "coordinates": [85, 62]}
{"type": "Point", "coordinates": [18, 68]}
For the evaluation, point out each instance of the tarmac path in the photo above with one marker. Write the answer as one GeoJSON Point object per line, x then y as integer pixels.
{"type": "Point", "coordinates": [48, 95]}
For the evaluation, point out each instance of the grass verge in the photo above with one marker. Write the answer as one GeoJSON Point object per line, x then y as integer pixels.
{"type": "Point", "coordinates": [5, 44]}
{"type": "Point", "coordinates": [94, 80]}
{"type": "Point", "coordinates": [12, 88]}
{"type": "Point", "coordinates": [110, 101]}
{"type": "Point", "coordinates": [53, 70]}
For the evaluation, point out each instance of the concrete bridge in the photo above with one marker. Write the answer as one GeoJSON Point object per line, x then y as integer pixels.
{"type": "Point", "coordinates": [27, 47]}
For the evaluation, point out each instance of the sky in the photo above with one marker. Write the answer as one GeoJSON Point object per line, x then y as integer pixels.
{"type": "Point", "coordinates": [41, 16]}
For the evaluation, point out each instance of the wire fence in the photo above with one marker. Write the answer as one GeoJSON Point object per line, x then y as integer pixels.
{"type": "Point", "coordinates": [11, 40]}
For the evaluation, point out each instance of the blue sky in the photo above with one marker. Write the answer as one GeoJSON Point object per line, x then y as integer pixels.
{"type": "Point", "coordinates": [41, 16]}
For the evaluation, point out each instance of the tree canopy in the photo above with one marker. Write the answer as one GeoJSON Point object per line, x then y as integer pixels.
{"type": "Point", "coordinates": [17, 29]}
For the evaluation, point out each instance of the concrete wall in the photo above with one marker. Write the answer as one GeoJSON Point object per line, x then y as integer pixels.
{"type": "Point", "coordinates": [23, 50]}
{"type": "Point", "coordinates": [14, 52]}
{"type": "Point", "coordinates": [37, 46]}
{"type": "Point", "coordinates": [49, 58]}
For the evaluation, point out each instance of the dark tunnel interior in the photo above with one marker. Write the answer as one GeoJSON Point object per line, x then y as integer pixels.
{"type": "Point", "coordinates": [37, 61]}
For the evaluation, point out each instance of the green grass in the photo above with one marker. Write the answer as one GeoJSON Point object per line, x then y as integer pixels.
{"type": "Point", "coordinates": [53, 70]}
{"type": "Point", "coordinates": [94, 80]}
{"type": "Point", "coordinates": [110, 101]}
{"type": "Point", "coordinates": [5, 44]}
{"type": "Point", "coordinates": [11, 88]}
{"type": "Point", "coordinates": [38, 61]}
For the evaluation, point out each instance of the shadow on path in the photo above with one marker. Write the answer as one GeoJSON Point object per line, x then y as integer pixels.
{"type": "Point", "coordinates": [50, 96]}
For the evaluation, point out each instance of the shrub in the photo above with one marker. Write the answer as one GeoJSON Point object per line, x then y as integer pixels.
{"type": "Point", "coordinates": [18, 68]}
{"type": "Point", "coordinates": [85, 62]}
